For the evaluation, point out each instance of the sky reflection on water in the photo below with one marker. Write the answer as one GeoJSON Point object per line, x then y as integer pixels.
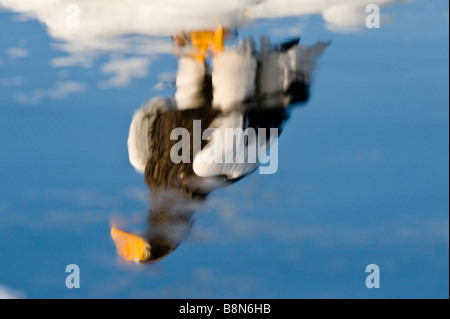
{"type": "Point", "coordinates": [362, 175]}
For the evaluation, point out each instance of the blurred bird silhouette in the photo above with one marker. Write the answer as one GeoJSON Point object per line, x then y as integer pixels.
{"type": "Point", "coordinates": [243, 88]}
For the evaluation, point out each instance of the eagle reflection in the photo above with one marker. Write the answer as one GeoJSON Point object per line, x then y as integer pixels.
{"type": "Point", "coordinates": [223, 87]}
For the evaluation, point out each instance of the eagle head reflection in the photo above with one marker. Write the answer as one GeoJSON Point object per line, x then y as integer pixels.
{"type": "Point", "coordinates": [180, 143]}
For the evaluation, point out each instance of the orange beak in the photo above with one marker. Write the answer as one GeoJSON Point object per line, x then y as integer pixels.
{"type": "Point", "coordinates": [129, 246]}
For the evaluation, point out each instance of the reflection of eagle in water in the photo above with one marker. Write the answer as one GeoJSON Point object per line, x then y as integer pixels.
{"type": "Point", "coordinates": [244, 89]}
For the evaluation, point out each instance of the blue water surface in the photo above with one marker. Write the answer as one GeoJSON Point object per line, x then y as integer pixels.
{"type": "Point", "coordinates": [363, 173]}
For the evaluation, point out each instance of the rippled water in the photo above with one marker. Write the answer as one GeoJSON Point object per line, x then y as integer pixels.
{"type": "Point", "coordinates": [362, 174]}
